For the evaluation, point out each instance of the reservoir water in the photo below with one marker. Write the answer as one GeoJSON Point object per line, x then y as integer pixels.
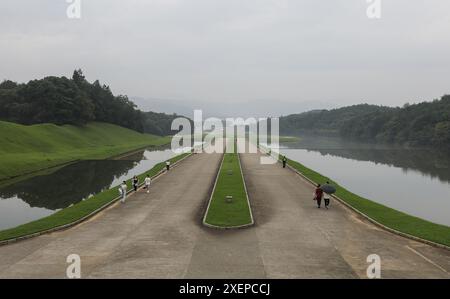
{"type": "Point", "coordinates": [44, 194]}
{"type": "Point", "coordinates": [414, 181]}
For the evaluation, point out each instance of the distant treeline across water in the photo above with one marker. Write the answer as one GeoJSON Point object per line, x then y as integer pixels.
{"type": "Point", "coordinates": [420, 125]}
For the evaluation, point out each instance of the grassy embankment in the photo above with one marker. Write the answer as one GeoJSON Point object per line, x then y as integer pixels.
{"type": "Point", "coordinates": [230, 182]}
{"type": "Point", "coordinates": [384, 215]}
{"type": "Point", "coordinates": [79, 210]}
{"type": "Point", "coordinates": [26, 149]}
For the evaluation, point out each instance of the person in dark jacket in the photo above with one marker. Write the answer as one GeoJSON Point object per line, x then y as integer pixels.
{"type": "Point", "coordinates": [135, 183]}
{"type": "Point", "coordinates": [318, 193]}
{"type": "Point", "coordinates": [284, 160]}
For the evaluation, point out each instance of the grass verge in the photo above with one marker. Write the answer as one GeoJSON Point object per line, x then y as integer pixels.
{"type": "Point", "coordinates": [384, 215]}
{"type": "Point", "coordinates": [230, 182]}
{"type": "Point", "coordinates": [79, 210]}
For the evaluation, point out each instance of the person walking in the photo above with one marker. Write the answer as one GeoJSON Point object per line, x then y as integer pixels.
{"type": "Point", "coordinates": [326, 198]}
{"type": "Point", "coordinates": [284, 160]}
{"type": "Point", "coordinates": [147, 182]}
{"type": "Point", "coordinates": [167, 165]}
{"type": "Point", "coordinates": [318, 193]}
{"type": "Point", "coordinates": [135, 183]}
{"type": "Point", "coordinates": [123, 191]}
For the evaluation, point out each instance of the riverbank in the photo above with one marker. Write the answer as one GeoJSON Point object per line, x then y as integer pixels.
{"type": "Point", "coordinates": [388, 217]}
{"type": "Point", "coordinates": [80, 210]}
{"type": "Point", "coordinates": [29, 149]}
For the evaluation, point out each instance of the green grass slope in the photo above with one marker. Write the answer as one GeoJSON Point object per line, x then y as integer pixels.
{"type": "Point", "coordinates": [24, 149]}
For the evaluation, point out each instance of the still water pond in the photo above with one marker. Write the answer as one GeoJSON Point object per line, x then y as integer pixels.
{"type": "Point", "coordinates": [416, 182]}
{"type": "Point", "coordinates": [43, 195]}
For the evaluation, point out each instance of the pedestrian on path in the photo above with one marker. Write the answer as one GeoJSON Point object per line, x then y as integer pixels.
{"type": "Point", "coordinates": [318, 193]}
{"type": "Point", "coordinates": [326, 198]}
{"type": "Point", "coordinates": [135, 183]}
{"type": "Point", "coordinates": [123, 191]}
{"type": "Point", "coordinates": [284, 161]}
{"type": "Point", "coordinates": [147, 181]}
{"type": "Point", "coordinates": [168, 165]}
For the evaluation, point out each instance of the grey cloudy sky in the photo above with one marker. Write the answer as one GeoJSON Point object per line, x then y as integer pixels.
{"type": "Point", "coordinates": [222, 51]}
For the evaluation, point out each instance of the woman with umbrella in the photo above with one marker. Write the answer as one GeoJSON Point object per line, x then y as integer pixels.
{"type": "Point", "coordinates": [328, 189]}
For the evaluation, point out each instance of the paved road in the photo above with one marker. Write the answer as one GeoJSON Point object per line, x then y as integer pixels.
{"type": "Point", "coordinates": [296, 239]}
{"type": "Point", "coordinates": [159, 235]}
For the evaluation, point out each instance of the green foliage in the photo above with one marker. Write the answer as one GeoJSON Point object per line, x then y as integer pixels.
{"type": "Point", "coordinates": [424, 124]}
{"type": "Point", "coordinates": [74, 101]}
{"type": "Point", "coordinates": [29, 148]}
{"type": "Point", "coordinates": [158, 123]}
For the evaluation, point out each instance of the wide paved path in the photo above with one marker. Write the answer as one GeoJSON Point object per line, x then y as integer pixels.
{"type": "Point", "coordinates": [159, 235]}
{"type": "Point", "coordinates": [296, 239]}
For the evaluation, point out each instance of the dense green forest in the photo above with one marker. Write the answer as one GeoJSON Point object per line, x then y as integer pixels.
{"type": "Point", "coordinates": [424, 124]}
{"type": "Point", "coordinates": [75, 101]}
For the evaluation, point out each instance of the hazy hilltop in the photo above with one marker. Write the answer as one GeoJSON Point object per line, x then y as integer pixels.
{"type": "Point", "coordinates": [423, 124]}
{"type": "Point", "coordinates": [75, 101]}
{"type": "Point", "coordinates": [223, 109]}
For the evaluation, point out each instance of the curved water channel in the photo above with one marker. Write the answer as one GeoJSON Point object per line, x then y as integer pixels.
{"type": "Point", "coordinates": [415, 181]}
{"type": "Point", "coordinates": [44, 194]}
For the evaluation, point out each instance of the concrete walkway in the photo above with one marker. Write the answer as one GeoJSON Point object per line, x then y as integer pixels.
{"type": "Point", "coordinates": [159, 235]}
{"type": "Point", "coordinates": [296, 239]}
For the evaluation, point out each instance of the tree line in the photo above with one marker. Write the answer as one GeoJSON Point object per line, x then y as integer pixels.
{"type": "Point", "coordinates": [418, 125]}
{"type": "Point", "coordinates": [75, 101]}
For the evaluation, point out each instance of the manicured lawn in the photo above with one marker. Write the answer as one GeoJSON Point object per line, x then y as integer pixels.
{"type": "Point", "coordinates": [389, 217]}
{"type": "Point", "coordinates": [236, 213]}
{"type": "Point", "coordinates": [77, 211]}
{"type": "Point", "coordinates": [25, 149]}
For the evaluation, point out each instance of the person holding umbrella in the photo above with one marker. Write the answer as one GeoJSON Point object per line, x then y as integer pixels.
{"type": "Point", "coordinates": [328, 189]}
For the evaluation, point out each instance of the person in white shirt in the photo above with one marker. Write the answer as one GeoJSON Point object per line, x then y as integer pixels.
{"type": "Point", "coordinates": [167, 165]}
{"type": "Point", "coordinates": [147, 183]}
{"type": "Point", "coordinates": [123, 191]}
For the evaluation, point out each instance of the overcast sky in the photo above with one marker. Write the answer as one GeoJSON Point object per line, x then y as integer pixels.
{"type": "Point", "coordinates": [234, 51]}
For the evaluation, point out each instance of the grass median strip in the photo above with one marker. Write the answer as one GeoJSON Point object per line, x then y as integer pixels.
{"type": "Point", "coordinates": [233, 211]}
{"type": "Point", "coordinates": [384, 215]}
{"type": "Point", "coordinates": [79, 210]}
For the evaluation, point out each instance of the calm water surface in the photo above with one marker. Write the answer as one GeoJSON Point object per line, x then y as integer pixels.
{"type": "Point", "coordinates": [43, 195]}
{"type": "Point", "coordinates": [413, 181]}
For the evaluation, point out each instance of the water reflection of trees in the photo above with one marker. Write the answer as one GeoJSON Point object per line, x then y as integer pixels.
{"type": "Point", "coordinates": [69, 184]}
{"type": "Point", "coordinates": [430, 162]}
{"type": "Point", "coordinates": [433, 163]}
